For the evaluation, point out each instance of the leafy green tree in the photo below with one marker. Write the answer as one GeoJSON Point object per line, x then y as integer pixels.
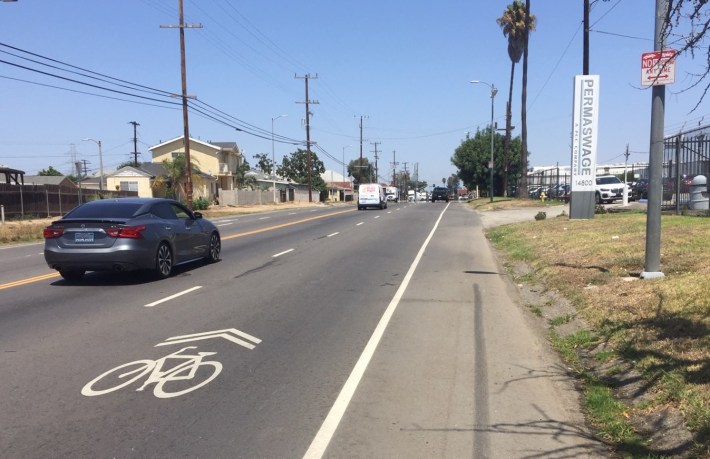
{"type": "Point", "coordinates": [472, 156]}
{"type": "Point", "coordinates": [126, 164]}
{"type": "Point", "coordinates": [418, 185]}
{"type": "Point", "coordinates": [452, 183]}
{"type": "Point", "coordinates": [295, 168]}
{"type": "Point", "coordinates": [361, 173]}
{"type": "Point", "coordinates": [50, 171]}
{"type": "Point", "coordinates": [243, 178]}
{"type": "Point", "coordinates": [264, 163]}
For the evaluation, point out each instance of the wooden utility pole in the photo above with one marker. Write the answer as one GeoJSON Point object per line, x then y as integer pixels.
{"type": "Point", "coordinates": [183, 73]}
{"type": "Point", "coordinates": [135, 142]}
{"type": "Point", "coordinates": [376, 158]}
{"type": "Point", "coordinates": [308, 134]}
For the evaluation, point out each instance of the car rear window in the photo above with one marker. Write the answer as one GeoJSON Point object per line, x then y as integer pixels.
{"type": "Point", "coordinates": [106, 210]}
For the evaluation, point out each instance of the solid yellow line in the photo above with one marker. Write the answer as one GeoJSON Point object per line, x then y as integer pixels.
{"type": "Point", "coordinates": [271, 228]}
{"type": "Point", "coordinates": [28, 280]}
{"type": "Point", "coordinates": [248, 233]}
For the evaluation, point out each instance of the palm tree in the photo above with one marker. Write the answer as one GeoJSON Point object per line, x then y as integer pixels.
{"type": "Point", "coordinates": [529, 25]}
{"type": "Point", "coordinates": [176, 176]}
{"type": "Point", "coordinates": [513, 24]}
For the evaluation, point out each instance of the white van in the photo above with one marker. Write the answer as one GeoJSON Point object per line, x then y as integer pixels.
{"type": "Point", "coordinates": [371, 195]}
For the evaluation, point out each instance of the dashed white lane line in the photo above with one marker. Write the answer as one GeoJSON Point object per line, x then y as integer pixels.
{"type": "Point", "coordinates": [225, 224]}
{"type": "Point", "coordinates": [361, 223]}
{"type": "Point", "coordinates": [171, 297]}
{"type": "Point", "coordinates": [334, 234]}
{"type": "Point", "coordinates": [282, 253]}
{"type": "Point", "coordinates": [264, 218]}
{"type": "Point", "coordinates": [376, 217]}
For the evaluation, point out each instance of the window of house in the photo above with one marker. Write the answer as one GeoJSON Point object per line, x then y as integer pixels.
{"type": "Point", "coordinates": [175, 154]}
{"type": "Point", "coordinates": [129, 186]}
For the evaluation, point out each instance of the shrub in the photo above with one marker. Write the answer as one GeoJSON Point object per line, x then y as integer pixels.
{"type": "Point", "coordinates": [200, 204]}
{"type": "Point", "coordinates": [541, 216]}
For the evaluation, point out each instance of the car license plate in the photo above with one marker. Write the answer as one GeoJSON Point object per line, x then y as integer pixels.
{"type": "Point", "coordinates": [83, 238]}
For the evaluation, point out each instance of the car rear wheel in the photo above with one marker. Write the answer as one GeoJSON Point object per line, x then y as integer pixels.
{"type": "Point", "coordinates": [164, 261]}
{"type": "Point", "coordinates": [72, 275]}
{"type": "Point", "coordinates": [214, 249]}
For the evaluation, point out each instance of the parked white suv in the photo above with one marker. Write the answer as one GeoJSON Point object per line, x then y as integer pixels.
{"type": "Point", "coordinates": [609, 188]}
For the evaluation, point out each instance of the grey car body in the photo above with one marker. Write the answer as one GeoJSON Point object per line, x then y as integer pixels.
{"type": "Point", "coordinates": [129, 234]}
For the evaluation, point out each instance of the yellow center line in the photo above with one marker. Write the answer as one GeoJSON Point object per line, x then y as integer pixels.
{"type": "Point", "coordinates": [283, 225]}
{"type": "Point", "coordinates": [30, 280]}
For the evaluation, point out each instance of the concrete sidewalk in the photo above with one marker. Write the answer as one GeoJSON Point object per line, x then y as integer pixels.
{"type": "Point", "coordinates": [493, 218]}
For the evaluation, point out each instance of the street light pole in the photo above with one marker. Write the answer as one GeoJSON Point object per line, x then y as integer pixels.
{"type": "Point", "coordinates": [346, 146]}
{"type": "Point", "coordinates": [494, 91]}
{"type": "Point", "coordinates": [273, 158]}
{"type": "Point", "coordinates": [101, 164]}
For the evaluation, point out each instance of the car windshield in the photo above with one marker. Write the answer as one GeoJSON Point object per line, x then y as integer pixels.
{"type": "Point", "coordinates": [106, 210]}
{"type": "Point", "coordinates": [608, 180]}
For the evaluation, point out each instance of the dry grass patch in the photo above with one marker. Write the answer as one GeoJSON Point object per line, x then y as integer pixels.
{"type": "Point", "coordinates": [662, 326]}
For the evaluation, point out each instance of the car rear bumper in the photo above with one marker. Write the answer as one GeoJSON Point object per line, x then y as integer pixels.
{"type": "Point", "coordinates": [110, 259]}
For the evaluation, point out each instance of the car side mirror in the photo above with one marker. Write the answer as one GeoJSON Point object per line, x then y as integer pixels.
{"type": "Point", "coordinates": [197, 215]}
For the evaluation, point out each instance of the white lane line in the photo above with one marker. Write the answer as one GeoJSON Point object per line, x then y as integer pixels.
{"type": "Point", "coordinates": [155, 303]}
{"type": "Point", "coordinates": [314, 210]}
{"type": "Point", "coordinates": [264, 218]}
{"type": "Point", "coordinates": [333, 234]}
{"type": "Point", "coordinates": [292, 213]}
{"type": "Point", "coordinates": [282, 253]}
{"type": "Point", "coordinates": [389, 211]}
{"type": "Point", "coordinates": [330, 424]}
{"type": "Point", "coordinates": [361, 223]}
{"type": "Point", "coordinates": [225, 224]}
{"type": "Point", "coordinates": [377, 217]}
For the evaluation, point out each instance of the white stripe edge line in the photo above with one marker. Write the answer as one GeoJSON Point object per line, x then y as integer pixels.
{"type": "Point", "coordinates": [282, 253]}
{"type": "Point", "coordinates": [171, 297]}
{"type": "Point", "coordinates": [322, 439]}
{"type": "Point", "coordinates": [333, 234]}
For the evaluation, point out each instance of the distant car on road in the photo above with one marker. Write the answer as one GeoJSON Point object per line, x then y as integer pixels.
{"type": "Point", "coordinates": [128, 234]}
{"type": "Point", "coordinates": [440, 194]}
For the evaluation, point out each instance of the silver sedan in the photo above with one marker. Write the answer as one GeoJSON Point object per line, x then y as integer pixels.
{"type": "Point", "coordinates": [129, 234]}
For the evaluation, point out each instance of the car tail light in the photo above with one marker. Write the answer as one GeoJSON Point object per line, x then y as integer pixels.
{"type": "Point", "coordinates": [52, 233]}
{"type": "Point", "coordinates": [129, 232]}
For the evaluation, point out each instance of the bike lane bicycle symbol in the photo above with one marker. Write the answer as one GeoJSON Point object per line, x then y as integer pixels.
{"type": "Point", "coordinates": [173, 374]}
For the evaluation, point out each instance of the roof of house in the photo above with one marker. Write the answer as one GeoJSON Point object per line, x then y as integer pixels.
{"type": "Point", "coordinates": [219, 145]}
{"type": "Point", "coordinates": [48, 180]}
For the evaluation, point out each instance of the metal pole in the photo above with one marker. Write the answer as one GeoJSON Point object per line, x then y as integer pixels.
{"type": "Point", "coordinates": [655, 187]}
{"type": "Point", "coordinates": [273, 158]}
{"type": "Point", "coordinates": [493, 95]}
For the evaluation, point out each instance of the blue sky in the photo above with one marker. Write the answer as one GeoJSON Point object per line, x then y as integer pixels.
{"type": "Point", "coordinates": [406, 66]}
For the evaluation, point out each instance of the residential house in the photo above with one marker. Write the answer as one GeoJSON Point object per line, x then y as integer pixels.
{"type": "Point", "coordinates": [339, 188]}
{"type": "Point", "coordinates": [217, 163]}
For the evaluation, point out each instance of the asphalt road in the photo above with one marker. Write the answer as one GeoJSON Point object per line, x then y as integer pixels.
{"type": "Point", "coordinates": [322, 332]}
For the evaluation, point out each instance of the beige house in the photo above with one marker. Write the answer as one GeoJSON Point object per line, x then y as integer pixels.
{"type": "Point", "coordinates": [131, 179]}
{"type": "Point", "coordinates": [215, 167]}
{"type": "Point", "coordinates": [214, 159]}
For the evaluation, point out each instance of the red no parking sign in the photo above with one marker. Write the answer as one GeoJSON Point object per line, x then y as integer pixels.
{"type": "Point", "coordinates": [658, 68]}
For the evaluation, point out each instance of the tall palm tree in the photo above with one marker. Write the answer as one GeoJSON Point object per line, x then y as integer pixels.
{"type": "Point", "coordinates": [529, 25]}
{"type": "Point", "coordinates": [513, 24]}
